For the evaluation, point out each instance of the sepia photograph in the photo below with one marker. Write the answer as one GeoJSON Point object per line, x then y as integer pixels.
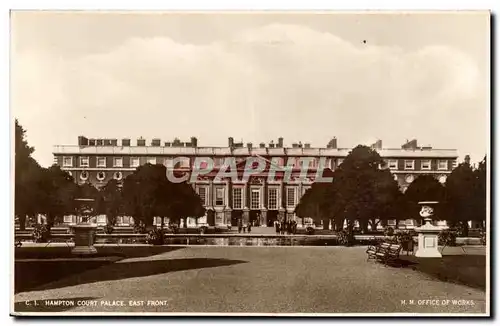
{"type": "Point", "coordinates": [250, 163]}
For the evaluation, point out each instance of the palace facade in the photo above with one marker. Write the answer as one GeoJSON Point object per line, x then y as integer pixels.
{"type": "Point", "coordinates": [258, 200]}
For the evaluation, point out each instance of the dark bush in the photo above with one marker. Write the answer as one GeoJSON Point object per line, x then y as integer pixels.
{"type": "Point", "coordinates": [155, 237]}
{"type": "Point", "coordinates": [203, 229]}
{"type": "Point", "coordinates": [310, 230]}
{"type": "Point", "coordinates": [41, 233]}
{"type": "Point", "coordinates": [389, 231]}
{"type": "Point", "coordinates": [346, 237]}
{"type": "Point", "coordinates": [108, 229]}
{"type": "Point", "coordinates": [140, 228]}
{"type": "Point", "coordinates": [447, 238]}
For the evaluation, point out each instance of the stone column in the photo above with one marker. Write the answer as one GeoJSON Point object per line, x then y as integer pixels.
{"type": "Point", "coordinates": [263, 217]}
{"type": "Point", "coordinates": [227, 216]}
{"type": "Point", "coordinates": [246, 215]}
{"type": "Point", "coordinates": [226, 194]}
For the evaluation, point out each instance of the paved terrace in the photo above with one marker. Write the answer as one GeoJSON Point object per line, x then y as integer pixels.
{"type": "Point", "coordinates": [257, 280]}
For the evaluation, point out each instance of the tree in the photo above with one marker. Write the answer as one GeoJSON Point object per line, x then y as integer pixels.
{"type": "Point", "coordinates": [60, 193]}
{"type": "Point", "coordinates": [315, 203]}
{"type": "Point", "coordinates": [112, 201]}
{"type": "Point", "coordinates": [183, 202]}
{"type": "Point", "coordinates": [480, 190]}
{"type": "Point", "coordinates": [27, 178]}
{"type": "Point", "coordinates": [461, 195]}
{"type": "Point", "coordinates": [425, 188]}
{"type": "Point", "coordinates": [363, 191]}
{"type": "Point", "coordinates": [148, 193]}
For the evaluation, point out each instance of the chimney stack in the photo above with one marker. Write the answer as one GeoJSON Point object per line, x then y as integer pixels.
{"type": "Point", "coordinates": [412, 144]}
{"type": "Point", "coordinates": [307, 145]}
{"type": "Point", "coordinates": [156, 142]}
{"type": "Point", "coordinates": [230, 142]}
{"type": "Point", "coordinates": [141, 142]}
{"type": "Point", "coordinates": [83, 141]}
{"type": "Point", "coordinates": [332, 143]}
{"type": "Point", "coordinates": [249, 145]}
{"type": "Point", "coordinates": [194, 141]}
{"type": "Point", "coordinates": [125, 142]}
{"type": "Point", "coordinates": [280, 142]}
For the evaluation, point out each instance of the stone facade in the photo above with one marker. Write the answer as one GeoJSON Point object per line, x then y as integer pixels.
{"type": "Point", "coordinates": [257, 201]}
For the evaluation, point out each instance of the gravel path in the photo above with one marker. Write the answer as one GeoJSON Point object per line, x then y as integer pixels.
{"type": "Point", "coordinates": [257, 280]}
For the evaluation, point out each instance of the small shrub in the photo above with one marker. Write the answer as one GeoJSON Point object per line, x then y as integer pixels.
{"type": "Point", "coordinates": [41, 233]}
{"type": "Point", "coordinates": [346, 237]}
{"type": "Point", "coordinates": [174, 229]}
{"type": "Point", "coordinates": [310, 230]}
{"type": "Point", "coordinates": [483, 238]}
{"type": "Point", "coordinates": [203, 229]}
{"type": "Point", "coordinates": [140, 228]}
{"type": "Point", "coordinates": [447, 238]}
{"type": "Point", "coordinates": [108, 229]}
{"type": "Point", "coordinates": [155, 237]}
{"type": "Point", "coordinates": [389, 231]}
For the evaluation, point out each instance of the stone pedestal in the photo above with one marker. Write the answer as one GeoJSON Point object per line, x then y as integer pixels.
{"type": "Point", "coordinates": [428, 233]}
{"type": "Point", "coordinates": [84, 239]}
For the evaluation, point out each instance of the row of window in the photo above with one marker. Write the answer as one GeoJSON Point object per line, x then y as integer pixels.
{"type": "Point", "coordinates": [424, 164]}
{"type": "Point", "coordinates": [101, 161]}
{"type": "Point", "coordinates": [135, 162]}
{"type": "Point", "coordinates": [256, 200]}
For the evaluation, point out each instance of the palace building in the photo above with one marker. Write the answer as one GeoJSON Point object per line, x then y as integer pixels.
{"type": "Point", "coordinates": [257, 200]}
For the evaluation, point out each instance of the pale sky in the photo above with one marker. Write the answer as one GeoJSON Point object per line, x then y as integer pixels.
{"type": "Point", "coordinates": [255, 77]}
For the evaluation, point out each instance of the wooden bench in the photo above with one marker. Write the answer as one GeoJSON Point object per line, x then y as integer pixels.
{"type": "Point", "coordinates": [385, 252]}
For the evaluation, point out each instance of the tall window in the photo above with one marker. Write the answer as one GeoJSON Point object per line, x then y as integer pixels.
{"type": "Point", "coordinates": [442, 165]}
{"type": "Point", "coordinates": [219, 196]}
{"type": "Point", "coordinates": [409, 164]}
{"type": "Point", "coordinates": [272, 198]}
{"type": "Point", "coordinates": [237, 198]}
{"type": "Point", "coordinates": [202, 192]}
{"type": "Point", "coordinates": [255, 199]}
{"type": "Point", "coordinates": [425, 165]}
{"type": "Point", "coordinates": [67, 161]}
{"type": "Point", "coordinates": [290, 197]}
{"type": "Point", "coordinates": [134, 162]}
{"type": "Point", "coordinates": [101, 162]}
{"type": "Point", "coordinates": [118, 162]}
{"type": "Point", "coordinates": [84, 161]}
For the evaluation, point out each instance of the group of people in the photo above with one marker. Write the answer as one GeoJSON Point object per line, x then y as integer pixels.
{"type": "Point", "coordinates": [244, 227]}
{"type": "Point", "coordinates": [288, 227]}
